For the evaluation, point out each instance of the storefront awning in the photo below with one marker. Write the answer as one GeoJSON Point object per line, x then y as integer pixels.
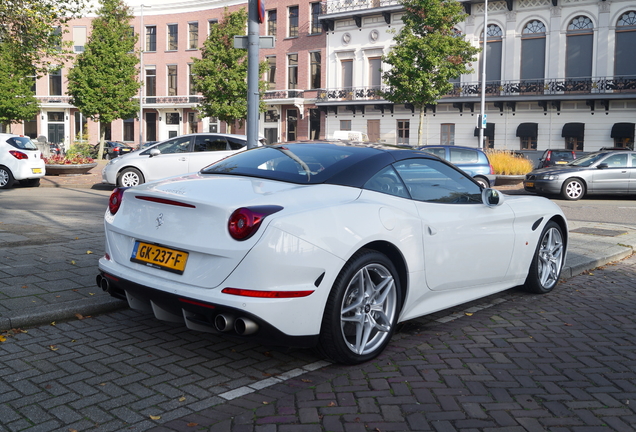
{"type": "Point", "coordinates": [489, 131]}
{"type": "Point", "coordinates": [527, 130]}
{"type": "Point", "coordinates": [622, 130]}
{"type": "Point", "coordinates": [574, 130]}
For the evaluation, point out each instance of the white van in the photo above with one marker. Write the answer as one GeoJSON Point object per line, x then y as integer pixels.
{"type": "Point", "coordinates": [350, 136]}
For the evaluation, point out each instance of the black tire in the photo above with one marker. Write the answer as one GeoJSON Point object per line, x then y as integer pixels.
{"type": "Point", "coordinates": [547, 262]}
{"type": "Point", "coordinates": [130, 177]}
{"type": "Point", "coordinates": [365, 298]}
{"type": "Point", "coordinates": [30, 182]}
{"type": "Point", "coordinates": [6, 178]}
{"type": "Point", "coordinates": [483, 182]}
{"type": "Point", "coordinates": [573, 189]}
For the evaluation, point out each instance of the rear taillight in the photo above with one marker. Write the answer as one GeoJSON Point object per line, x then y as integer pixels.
{"type": "Point", "coordinates": [18, 154]}
{"type": "Point", "coordinates": [548, 157]}
{"type": "Point", "coordinates": [115, 199]}
{"type": "Point", "coordinates": [245, 221]}
{"type": "Point", "coordinates": [492, 170]}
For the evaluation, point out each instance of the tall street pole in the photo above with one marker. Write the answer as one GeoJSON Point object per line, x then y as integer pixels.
{"type": "Point", "coordinates": [253, 97]}
{"type": "Point", "coordinates": [483, 79]}
{"type": "Point", "coordinates": [142, 42]}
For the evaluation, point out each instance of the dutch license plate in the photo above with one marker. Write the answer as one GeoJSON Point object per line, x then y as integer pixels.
{"type": "Point", "coordinates": [561, 162]}
{"type": "Point", "coordinates": [529, 184]}
{"type": "Point", "coordinates": [36, 170]}
{"type": "Point", "coordinates": [159, 257]}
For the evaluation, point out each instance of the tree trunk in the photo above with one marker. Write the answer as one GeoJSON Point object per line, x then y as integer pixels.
{"type": "Point", "coordinates": [102, 137]}
{"type": "Point", "coordinates": [420, 128]}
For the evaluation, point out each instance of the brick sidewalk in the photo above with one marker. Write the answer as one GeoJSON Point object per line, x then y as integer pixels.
{"type": "Point", "coordinates": [563, 362]}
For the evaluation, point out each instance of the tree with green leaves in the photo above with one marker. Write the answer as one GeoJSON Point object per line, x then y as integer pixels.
{"type": "Point", "coordinates": [221, 73]}
{"type": "Point", "coordinates": [34, 29]}
{"type": "Point", "coordinates": [104, 78]}
{"type": "Point", "coordinates": [17, 98]}
{"type": "Point", "coordinates": [428, 53]}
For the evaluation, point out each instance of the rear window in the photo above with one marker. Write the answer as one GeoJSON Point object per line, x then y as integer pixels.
{"type": "Point", "coordinates": [300, 163]}
{"type": "Point", "coordinates": [22, 143]}
{"type": "Point", "coordinates": [563, 155]}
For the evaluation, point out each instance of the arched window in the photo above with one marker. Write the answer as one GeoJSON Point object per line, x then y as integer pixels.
{"type": "Point", "coordinates": [624, 59]}
{"type": "Point", "coordinates": [580, 41]}
{"type": "Point", "coordinates": [493, 53]}
{"type": "Point", "coordinates": [533, 51]}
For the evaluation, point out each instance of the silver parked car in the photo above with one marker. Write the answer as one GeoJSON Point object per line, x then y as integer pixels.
{"type": "Point", "coordinates": [181, 155]}
{"type": "Point", "coordinates": [604, 172]}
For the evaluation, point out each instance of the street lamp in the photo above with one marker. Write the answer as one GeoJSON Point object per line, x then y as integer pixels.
{"type": "Point", "coordinates": [483, 78]}
{"type": "Point", "coordinates": [142, 43]}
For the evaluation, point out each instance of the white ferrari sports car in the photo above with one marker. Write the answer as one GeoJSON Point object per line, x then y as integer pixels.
{"type": "Point", "coordinates": [323, 244]}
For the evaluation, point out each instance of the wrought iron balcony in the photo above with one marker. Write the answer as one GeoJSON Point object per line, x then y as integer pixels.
{"type": "Point", "coordinates": [547, 87]}
{"type": "Point", "coordinates": [149, 100]}
{"type": "Point", "coordinates": [330, 6]}
{"type": "Point", "coordinates": [54, 99]}
{"type": "Point", "coordinates": [556, 86]}
{"type": "Point", "coordinates": [284, 94]}
{"type": "Point", "coordinates": [351, 94]}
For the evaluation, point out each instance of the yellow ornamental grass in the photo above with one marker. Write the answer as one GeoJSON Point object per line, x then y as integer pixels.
{"type": "Point", "coordinates": [505, 162]}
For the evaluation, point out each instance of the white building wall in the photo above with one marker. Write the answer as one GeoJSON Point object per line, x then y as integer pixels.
{"type": "Point", "coordinates": [598, 122]}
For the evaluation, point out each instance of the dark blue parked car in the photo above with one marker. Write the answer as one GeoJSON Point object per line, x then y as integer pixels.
{"type": "Point", "coordinates": [470, 159]}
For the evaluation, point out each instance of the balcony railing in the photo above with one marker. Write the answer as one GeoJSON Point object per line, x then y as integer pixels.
{"type": "Point", "coordinates": [284, 94]}
{"type": "Point", "coordinates": [351, 94]}
{"type": "Point", "coordinates": [558, 86]}
{"type": "Point", "coordinates": [54, 99]}
{"type": "Point", "coordinates": [329, 7]}
{"type": "Point", "coordinates": [547, 87]}
{"type": "Point", "coordinates": [149, 100]}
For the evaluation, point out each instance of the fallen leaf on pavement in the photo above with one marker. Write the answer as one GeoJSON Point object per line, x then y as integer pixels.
{"type": "Point", "coordinates": [155, 417]}
{"type": "Point", "coordinates": [53, 323]}
{"type": "Point", "coordinates": [73, 262]}
{"type": "Point", "coordinates": [53, 348]}
{"type": "Point", "coordinates": [192, 424]}
{"type": "Point", "coordinates": [2, 338]}
{"type": "Point", "coordinates": [79, 316]}
{"type": "Point", "coordinates": [182, 399]}
{"type": "Point", "coordinates": [88, 252]}
{"type": "Point", "coordinates": [468, 313]}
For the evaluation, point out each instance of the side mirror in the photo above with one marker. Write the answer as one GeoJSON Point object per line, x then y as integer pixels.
{"type": "Point", "coordinates": [602, 166]}
{"type": "Point", "coordinates": [492, 197]}
{"type": "Point", "coordinates": [154, 152]}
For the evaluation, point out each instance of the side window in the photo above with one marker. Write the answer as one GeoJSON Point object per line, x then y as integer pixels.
{"type": "Point", "coordinates": [210, 143]}
{"type": "Point", "coordinates": [387, 181]}
{"type": "Point", "coordinates": [434, 181]}
{"type": "Point", "coordinates": [177, 145]}
{"type": "Point", "coordinates": [463, 156]}
{"type": "Point", "coordinates": [616, 161]}
{"type": "Point", "coordinates": [235, 143]}
{"type": "Point", "coordinates": [439, 152]}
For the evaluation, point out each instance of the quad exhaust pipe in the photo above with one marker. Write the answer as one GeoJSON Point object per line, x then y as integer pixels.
{"type": "Point", "coordinates": [242, 326]}
{"type": "Point", "coordinates": [245, 326]}
{"type": "Point", "coordinates": [222, 322]}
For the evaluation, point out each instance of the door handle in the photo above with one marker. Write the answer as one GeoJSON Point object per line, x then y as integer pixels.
{"type": "Point", "coordinates": [431, 231]}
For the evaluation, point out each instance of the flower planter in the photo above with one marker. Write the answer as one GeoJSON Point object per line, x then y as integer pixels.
{"type": "Point", "coordinates": [77, 169]}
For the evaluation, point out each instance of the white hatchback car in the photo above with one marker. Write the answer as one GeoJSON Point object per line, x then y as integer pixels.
{"type": "Point", "coordinates": [20, 159]}
{"type": "Point", "coordinates": [175, 156]}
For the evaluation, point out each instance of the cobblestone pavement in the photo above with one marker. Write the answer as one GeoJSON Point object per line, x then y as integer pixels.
{"type": "Point", "coordinates": [561, 362]}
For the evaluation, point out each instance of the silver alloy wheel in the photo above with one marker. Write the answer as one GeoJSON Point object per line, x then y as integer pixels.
{"type": "Point", "coordinates": [368, 309]}
{"type": "Point", "coordinates": [4, 177]}
{"type": "Point", "coordinates": [574, 189]}
{"type": "Point", "coordinates": [550, 257]}
{"type": "Point", "coordinates": [129, 179]}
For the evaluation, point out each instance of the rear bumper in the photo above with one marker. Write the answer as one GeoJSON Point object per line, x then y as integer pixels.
{"type": "Point", "coordinates": [543, 187]}
{"type": "Point", "coordinates": [196, 314]}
